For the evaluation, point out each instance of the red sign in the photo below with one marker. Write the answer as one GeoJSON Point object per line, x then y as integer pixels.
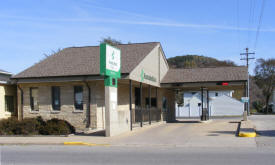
{"type": "Point", "coordinates": [224, 83]}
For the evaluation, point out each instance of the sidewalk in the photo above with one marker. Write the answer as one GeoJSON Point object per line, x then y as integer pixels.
{"type": "Point", "coordinates": [60, 140]}
{"type": "Point", "coordinates": [45, 140]}
{"type": "Point", "coordinates": [218, 133]}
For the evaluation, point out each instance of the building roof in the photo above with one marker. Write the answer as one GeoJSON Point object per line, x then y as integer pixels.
{"type": "Point", "coordinates": [76, 61]}
{"type": "Point", "coordinates": [5, 72]}
{"type": "Point", "coordinates": [4, 79]}
{"type": "Point", "coordinates": [206, 75]}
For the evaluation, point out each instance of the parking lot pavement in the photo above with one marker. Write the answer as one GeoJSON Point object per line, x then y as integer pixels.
{"type": "Point", "coordinates": [265, 128]}
{"type": "Point", "coordinates": [189, 133]}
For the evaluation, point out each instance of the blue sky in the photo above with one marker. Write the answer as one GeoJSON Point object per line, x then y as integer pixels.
{"type": "Point", "coordinates": [31, 28]}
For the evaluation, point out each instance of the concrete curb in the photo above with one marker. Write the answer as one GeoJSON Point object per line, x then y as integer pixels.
{"type": "Point", "coordinates": [63, 143]}
{"type": "Point", "coordinates": [85, 144]}
{"type": "Point", "coordinates": [245, 134]}
{"type": "Point", "coordinates": [247, 129]}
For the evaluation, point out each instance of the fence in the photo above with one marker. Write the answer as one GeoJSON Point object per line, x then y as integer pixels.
{"type": "Point", "coordinates": [145, 116]}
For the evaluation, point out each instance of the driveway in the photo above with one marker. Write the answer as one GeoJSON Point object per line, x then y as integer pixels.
{"type": "Point", "coordinates": [265, 127]}
{"type": "Point", "coordinates": [265, 124]}
{"type": "Point", "coordinates": [184, 133]}
{"type": "Point", "coordinates": [188, 133]}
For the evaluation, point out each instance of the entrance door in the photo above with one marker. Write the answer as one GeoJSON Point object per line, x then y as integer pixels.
{"type": "Point", "coordinates": [137, 97]}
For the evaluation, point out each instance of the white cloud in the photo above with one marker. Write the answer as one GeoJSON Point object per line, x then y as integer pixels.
{"type": "Point", "coordinates": [151, 23]}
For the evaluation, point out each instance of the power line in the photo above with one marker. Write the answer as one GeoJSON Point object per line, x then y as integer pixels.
{"type": "Point", "coordinates": [238, 24]}
{"type": "Point", "coordinates": [260, 23]}
{"type": "Point", "coordinates": [250, 20]}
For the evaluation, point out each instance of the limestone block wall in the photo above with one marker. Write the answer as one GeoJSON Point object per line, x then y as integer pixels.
{"type": "Point", "coordinates": [68, 112]}
{"type": "Point", "coordinates": [77, 118]}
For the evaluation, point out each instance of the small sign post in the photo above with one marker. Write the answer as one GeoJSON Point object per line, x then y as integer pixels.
{"type": "Point", "coordinates": [110, 62]}
{"type": "Point", "coordinates": [245, 99]}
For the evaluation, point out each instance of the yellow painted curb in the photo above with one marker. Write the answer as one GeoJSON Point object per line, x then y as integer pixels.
{"type": "Point", "coordinates": [85, 144]}
{"type": "Point", "coordinates": [247, 134]}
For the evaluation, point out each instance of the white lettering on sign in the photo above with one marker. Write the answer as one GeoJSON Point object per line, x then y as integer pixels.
{"type": "Point", "coordinates": [112, 58]}
{"type": "Point", "coordinates": [245, 99]}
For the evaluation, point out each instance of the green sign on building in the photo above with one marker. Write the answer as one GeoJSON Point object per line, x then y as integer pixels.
{"type": "Point", "coordinates": [110, 62]}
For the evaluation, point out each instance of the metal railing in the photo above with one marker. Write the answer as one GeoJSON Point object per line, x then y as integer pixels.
{"type": "Point", "coordinates": [141, 116]}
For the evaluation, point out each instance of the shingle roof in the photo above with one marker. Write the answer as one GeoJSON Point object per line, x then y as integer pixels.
{"type": "Point", "coordinates": [4, 78]}
{"type": "Point", "coordinates": [205, 74]}
{"type": "Point", "coordinates": [4, 72]}
{"type": "Point", "coordinates": [86, 61]}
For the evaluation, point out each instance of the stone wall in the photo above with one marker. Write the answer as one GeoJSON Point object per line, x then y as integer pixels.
{"type": "Point", "coordinates": [78, 118]}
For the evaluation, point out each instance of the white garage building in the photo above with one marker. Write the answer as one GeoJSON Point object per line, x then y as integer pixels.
{"type": "Point", "coordinates": [216, 90]}
{"type": "Point", "coordinates": [221, 103]}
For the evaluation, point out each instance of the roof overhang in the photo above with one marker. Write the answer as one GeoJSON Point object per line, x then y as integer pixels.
{"type": "Point", "coordinates": [201, 84]}
{"type": "Point", "coordinates": [63, 79]}
{"type": "Point", "coordinates": [3, 82]}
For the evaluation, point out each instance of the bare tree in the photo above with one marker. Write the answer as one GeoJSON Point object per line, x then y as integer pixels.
{"type": "Point", "coordinates": [265, 78]}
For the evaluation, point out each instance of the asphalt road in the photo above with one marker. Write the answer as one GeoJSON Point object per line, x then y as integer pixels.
{"type": "Point", "coordinates": [37, 155]}
{"type": "Point", "coordinates": [185, 142]}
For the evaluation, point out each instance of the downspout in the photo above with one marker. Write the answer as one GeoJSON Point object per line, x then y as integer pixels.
{"type": "Point", "coordinates": [21, 103]}
{"type": "Point", "coordinates": [88, 105]}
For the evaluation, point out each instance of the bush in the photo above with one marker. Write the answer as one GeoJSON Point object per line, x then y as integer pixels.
{"type": "Point", "coordinates": [259, 106]}
{"type": "Point", "coordinates": [57, 127]}
{"type": "Point", "coordinates": [35, 126]}
{"type": "Point", "coordinates": [8, 126]}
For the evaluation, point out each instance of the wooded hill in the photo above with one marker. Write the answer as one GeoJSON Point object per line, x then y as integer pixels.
{"type": "Point", "coordinates": [195, 61]}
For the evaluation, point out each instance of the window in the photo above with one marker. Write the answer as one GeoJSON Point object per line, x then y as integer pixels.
{"type": "Point", "coordinates": [153, 102]}
{"type": "Point", "coordinates": [9, 104]}
{"type": "Point", "coordinates": [34, 99]}
{"type": "Point", "coordinates": [78, 97]}
{"type": "Point", "coordinates": [137, 96]}
{"type": "Point", "coordinates": [164, 104]}
{"type": "Point", "coordinates": [216, 94]}
{"type": "Point", "coordinates": [56, 98]}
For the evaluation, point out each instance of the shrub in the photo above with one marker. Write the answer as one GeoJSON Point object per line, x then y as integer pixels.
{"type": "Point", "coordinates": [57, 127]}
{"type": "Point", "coordinates": [259, 106]}
{"type": "Point", "coordinates": [8, 126]}
{"type": "Point", "coordinates": [28, 126]}
{"type": "Point", "coordinates": [35, 126]}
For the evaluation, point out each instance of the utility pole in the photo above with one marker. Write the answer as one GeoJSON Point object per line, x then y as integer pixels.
{"type": "Point", "coordinates": [245, 56]}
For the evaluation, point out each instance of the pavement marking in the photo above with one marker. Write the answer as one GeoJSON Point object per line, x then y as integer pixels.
{"type": "Point", "coordinates": [85, 144]}
{"type": "Point", "coordinates": [247, 134]}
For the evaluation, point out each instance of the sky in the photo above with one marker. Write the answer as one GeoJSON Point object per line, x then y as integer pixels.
{"type": "Point", "coordinates": [222, 29]}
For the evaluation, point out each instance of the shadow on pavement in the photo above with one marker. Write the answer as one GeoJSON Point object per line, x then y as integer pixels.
{"type": "Point", "coordinates": [186, 121]}
{"type": "Point", "coordinates": [216, 133]}
{"type": "Point", "coordinates": [268, 133]}
{"type": "Point", "coordinates": [97, 133]}
{"type": "Point", "coordinates": [236, 133]}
